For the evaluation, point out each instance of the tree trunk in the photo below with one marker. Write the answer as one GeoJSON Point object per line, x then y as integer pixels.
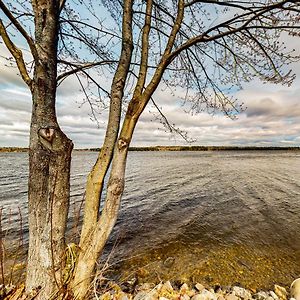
{"type": "Point", "coordinates": [49, 163]}
{"type": "Point", "coordinates": [95, 242]}
{"type": "Point", "coordinates": [96, 177]}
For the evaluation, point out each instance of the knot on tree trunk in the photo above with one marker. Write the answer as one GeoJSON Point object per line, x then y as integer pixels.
{"type": "Point", "coordinates": [53, 139]}
{"type": "Point", "coordinates": [122, 143]}
{"type": "Point", "coordinates": [46, 137]}
{"type": "Point", "coordinates": [47, 134]}
{"type": "Point", "coordinates": [116, 186]}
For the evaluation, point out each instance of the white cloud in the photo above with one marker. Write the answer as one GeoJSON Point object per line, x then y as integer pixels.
{"type": "Point", "coordinates": [272, 117]}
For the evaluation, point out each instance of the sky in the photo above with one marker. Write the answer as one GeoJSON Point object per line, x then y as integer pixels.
{"type": "Point", "coordinates": [272, 117]}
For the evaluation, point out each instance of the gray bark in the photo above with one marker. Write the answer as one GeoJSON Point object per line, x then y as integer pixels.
{"type": "Point", "coordinates": [49, 163]}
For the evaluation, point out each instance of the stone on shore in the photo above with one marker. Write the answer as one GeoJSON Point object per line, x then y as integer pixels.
{"type": "Point", "coordinates": [280, 292]}
{"type": "Point", "coordinates": [295, 289]}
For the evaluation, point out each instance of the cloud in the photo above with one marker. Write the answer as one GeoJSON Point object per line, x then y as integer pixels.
{"type": "Point", "coordinates": [272, 116]}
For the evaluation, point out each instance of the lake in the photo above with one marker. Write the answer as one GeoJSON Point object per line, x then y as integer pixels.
{"type": "Point", "coordinates": [218, 217]}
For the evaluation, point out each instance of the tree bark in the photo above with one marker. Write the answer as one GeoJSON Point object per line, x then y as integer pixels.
{"type": "Point", "coordinates": [96, 177]}
{"type": "Point", "coordinates": [95, 242]}
{"type": "Point", "coordinates": [49, 163]}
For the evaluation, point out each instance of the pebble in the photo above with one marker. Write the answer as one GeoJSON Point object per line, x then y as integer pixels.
{"type": "Point", "coordinates": [295, 289]}
{"type": "Point", "coordinates": [184, 288]}
{"type": "Point", "coordinates": [144, 296]}
{"type": "Point", "coordinates": [242, 293]}
{"type": "Point", "coordinates": [165, 291]}
{"type": "Point", "coordinates": [260, 296]}
{"type": "Point", "coordinates": [280, 292]}
{"type": "Point", "coordinates": [167, 287]}
{"type": "Point", "coordinates": [200, 287]}
{"type": "Point", "coordinates": [273, 295]}
{"type": "Point", "coordinates": [231, 297]}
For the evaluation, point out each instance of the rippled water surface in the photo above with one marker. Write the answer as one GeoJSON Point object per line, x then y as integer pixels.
{"type": "Point", "coordinates": [219, 217]}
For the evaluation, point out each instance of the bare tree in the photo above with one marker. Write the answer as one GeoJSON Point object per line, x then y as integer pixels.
{"type": "Point", "coordinates": [53, 33]}
{"type": "Point", "coordinates": [206, 48]}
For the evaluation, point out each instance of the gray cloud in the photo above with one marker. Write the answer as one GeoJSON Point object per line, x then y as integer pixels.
{"type": "Point", "coordinates": [272, 117]}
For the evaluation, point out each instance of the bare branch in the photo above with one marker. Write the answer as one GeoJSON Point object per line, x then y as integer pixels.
{"type": "Point", "coordinates": [17, 54]}
{"type": "Point", "coordinates": [20, 28]}
{"type": "Point", "coordinates": [144, 51]}
{"type": "Point", "coordinates": [79, 68]}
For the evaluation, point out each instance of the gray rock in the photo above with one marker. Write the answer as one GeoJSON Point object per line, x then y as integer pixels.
{"type": "Point", "coordinates": [231, 297]}
{"type": "Point", "coordinates": [295, 289]}
{"type": "Point", "coordinates": [150, 295]}
{"type": "Point", "coordinates": [142, 296]}
{"type": "Point", "coordinates": [273, 295]}
{"type": "Point", "coordinates": [199, 287]}
{"type": "Point", "coordinates": [260, 296]}
{"type": "Point", "coordinates": [205, 295]}
{"type": "Point", "coordinates": [241, 292]}
{"type": "Point", "coordinates": [208, 295]}
{"type": "Point", "coordinates": [184, 288]}
{"type": "Point", "coordinates": [197, 297]}
{"type": "Point", "coordinates": [145, 296]}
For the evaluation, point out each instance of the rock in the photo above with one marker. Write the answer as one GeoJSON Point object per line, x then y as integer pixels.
{"type": "Point", "coordinates": [149, 295]}
{"type": "Point", "coordinates": [231, 297]}
{"type": "Point", "coordinates": [184, 288]}
{"type": "Point", "coordinates": [185, 297]}
{"type": "Point", "coordinates": [144, 296]}
{"type": "Point", "coordinates": [205, 295]}
{"type": "Point", "coordinates": [208, 295]}
{"type": "Point", "coordinates": [167, 287]}
{"type": "Point", "coordinates": [273, 295]}
{"type": "Point", "coordinates": [280, 292]}
{"type": "Point", "coordinates": [260, 296]}
{"type": "Point", "coordinates": [199, 287]}
{"type": "Point", "coordinates": [295, 289]}
{"type": "Point", "coordinates": [191, 293]}
{"type": "Point", "coordinates": [163, 298]}
{"type": "Point", "coordinates": [198, 297]}
{"type": "Point", "coordinates": [220, 297]}
{"type": "Point", "coordinates": [241, 292]}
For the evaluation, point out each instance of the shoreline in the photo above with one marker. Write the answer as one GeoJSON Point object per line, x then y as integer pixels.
{"type": "Point", "coordinates": [183, 291]}
{"type": "Point", "coordinates": [130, 290]}
{"type": "Point", "coordinates": [177, 148]}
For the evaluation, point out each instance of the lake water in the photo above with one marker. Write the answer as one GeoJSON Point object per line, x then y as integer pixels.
{"type": "Point", "coordinates": [218, 217]}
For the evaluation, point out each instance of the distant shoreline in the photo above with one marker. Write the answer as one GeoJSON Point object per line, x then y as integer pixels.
{"type": "Point", "coordinates": [176, 148]}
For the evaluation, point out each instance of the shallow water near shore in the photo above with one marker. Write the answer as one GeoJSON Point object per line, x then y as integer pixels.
{"type": "Point", "coordinates": [221, 217]}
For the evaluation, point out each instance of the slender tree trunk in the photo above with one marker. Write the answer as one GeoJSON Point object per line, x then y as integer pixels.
{"type": "Point", "coordinates": [96, 177]}
{"type": "Point", "coordinates": [95, 242]}
{"type": "Point", "coordinates": [49, 163]}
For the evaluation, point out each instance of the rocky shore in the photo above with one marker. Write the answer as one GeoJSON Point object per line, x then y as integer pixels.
{"type": "Point", "coordinates": [167, 290]}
